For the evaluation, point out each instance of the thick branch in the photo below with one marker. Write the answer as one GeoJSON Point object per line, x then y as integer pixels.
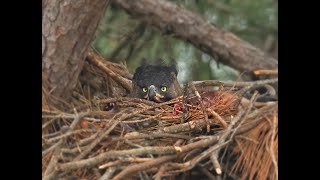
{"type": "Point", "coordinates": [170, 18]}
{"type": "Point", "coordinates": [140, 167]}
{"type": "Point", "coordinates": [116, 154]}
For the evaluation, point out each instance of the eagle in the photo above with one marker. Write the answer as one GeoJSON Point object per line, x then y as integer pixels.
{"type": "Point", "coordinates": [156, 83]}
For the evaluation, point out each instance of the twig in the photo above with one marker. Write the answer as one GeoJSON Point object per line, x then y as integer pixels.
{"type": "Point", "coordinates": [132, 144]}
{"type": "Point", "coordinates": [101, 135]}
{"type": "Point", "coordinates": [50, 176]}
{"type": "Point", "coordinates": [65, 115]}
{"type": "Point", "coordinates": [252, 100]}
{"type": "Point", "coordinates": [257, 115]}
{"type": "Point", "coordinates": [143, 175]}
{"type": "Point", "coordinates": [82, 142]}
{"type": "Point", "coordinates": [200, 124]}
{"type": "Point", "coordinates": [152, 136]}
{"type": "Point", "coordinates": [121, 160]}
{"type": "Point", "coordinates": [110, 164]}
{"type": "Point", "coordinates": [160, 160]}
{"type": "Point", "coordinates": [142, 120]}
{"type": "Point", "coordinates": [234, 83]}
{"type": "Point", "coordinates": [50, 172]}
{"type": "Point", "coordinates": [116, 154]}
{"type": "Point", "coordinates": [192, 163]}
{"type": "Point", "coordinates": [51, 135]}
{"type": "Point", "coordinates": [92, 119]}
{"type": "Point", "coordinates": [48, 122]}
{"type": "Point", "coordinates": [136, 152]}
{"type": "Point", "coordinates": [222, 142]}
{"type": "Point", "coordinates": [107, 130]}
{"type": "Point", "coordinates": [68, 134]}
{"type": "Point", "coordinates": [122, 99]}
{"type": "Point", "coordinates": [51, 148]}
{"type": "Point", "coordinates": [77, 118]}
{"type": "Point", "coordinates": [143, 166]}
{"type": "Point", "coordinates": [266, 71]}
{"type": "Point", "coordinates": [201, 105]}
{"type": "Point", "coordinates": [160, 172]}
{"type": "Point", "coordinates": [247, 138]}
{"type": "Point", "coordinates": [98, 62]}
{"type": "Point", "coordinates": [186, 127]}
{"type": "Point", "coordinates": [116, 67]}
{"type": "Point", "coordinates": [245, 102]}
{"type": "Point", "coordinates": [108, 174]}
{"type": "Point", "coordinates": [215, 162]}
{"type": "Point", "coordinates": [221, 120]}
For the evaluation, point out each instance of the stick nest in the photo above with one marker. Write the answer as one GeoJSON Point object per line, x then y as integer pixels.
{"type": "Point", "coordinates": [103, 135]}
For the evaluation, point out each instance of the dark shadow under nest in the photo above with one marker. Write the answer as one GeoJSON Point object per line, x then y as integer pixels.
{"type": "Point", "coordinates": [103, 135]}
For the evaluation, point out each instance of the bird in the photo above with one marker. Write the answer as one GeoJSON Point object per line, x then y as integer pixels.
{"type": "Point", "coordinates": [157, 83]}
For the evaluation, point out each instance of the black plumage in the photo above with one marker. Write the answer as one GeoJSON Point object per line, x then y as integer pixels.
{"type": "Point", "coordinates": [157, 83]}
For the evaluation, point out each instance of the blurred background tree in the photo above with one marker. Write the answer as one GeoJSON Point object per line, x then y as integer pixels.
{"type": "Point", "coordinates": [123, 39]}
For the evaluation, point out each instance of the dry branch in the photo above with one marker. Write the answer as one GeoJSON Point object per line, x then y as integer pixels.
{"type": "Point", "coordinates": [218, 117]}
{"type": "Point", "coordinates": [115, 154]}
{"type": "Point", "coordinates": [108, 174]}
{"type": "Point", "coordinates": [127, 99]}
{"type": "Point", "coordinates": [265, 72]}
{"type": "Point", "coordinates": [98, 61]}
{"type": "Point", "coordinates": [77, 117]}
{"type": "Point", "coordinates": [201, 105]}
{"type": "Point", "coordinates": [234, 83]}
{"type": "Point", "coordinates": [196, 125]}
{"type": "Point", "coordinates": [57, 138]}
{"type": "Point", "coordinates": [215, 162]}
{"type": "Point", "coordinates": [50, 171]}
{"type": "Point", "coordinates": [160, 172]}
{"type": "Point", "coordinates": [143, 166]}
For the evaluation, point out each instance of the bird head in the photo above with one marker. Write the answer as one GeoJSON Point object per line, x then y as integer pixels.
{"type": "Point", "coordinates": [156, 83]}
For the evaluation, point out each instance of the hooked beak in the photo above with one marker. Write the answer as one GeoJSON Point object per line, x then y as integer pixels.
{"type": "Point", "coordinates": [152, 92]}
{"type": "Point", "coordinates": [153, 95]}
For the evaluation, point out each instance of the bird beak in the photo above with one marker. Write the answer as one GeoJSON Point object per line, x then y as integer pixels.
{"type": "Point", "coordinates": [151, 92]}
{"type": "Point", "coordinates": [153, 95]}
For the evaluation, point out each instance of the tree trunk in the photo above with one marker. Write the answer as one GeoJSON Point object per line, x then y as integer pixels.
{"type": "Point", "coordinates": [222, 45]}
{"type": "Point", "coordinates": [68, 28]}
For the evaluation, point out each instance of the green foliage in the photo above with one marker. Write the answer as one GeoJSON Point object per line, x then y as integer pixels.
{"type": "Point", "coordinates": [252, 20]}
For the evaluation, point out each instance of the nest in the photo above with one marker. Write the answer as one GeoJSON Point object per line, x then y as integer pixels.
{"type": "Point", "coordinates": [104, 135]}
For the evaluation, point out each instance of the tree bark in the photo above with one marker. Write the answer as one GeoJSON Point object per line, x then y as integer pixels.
{"type": "Point", "coordinates": [222, 45]}
{"type": "Point", "coordinates": [68, 28]}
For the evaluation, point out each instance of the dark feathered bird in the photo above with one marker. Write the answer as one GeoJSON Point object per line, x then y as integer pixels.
{"type": "Point", "coordinates": [156, 83]}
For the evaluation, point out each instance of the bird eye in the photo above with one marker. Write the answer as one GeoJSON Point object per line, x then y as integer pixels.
{"type": "Point", "coordinates": [163, 88]}
{"type": "Point", "coordinates": [144, 89]}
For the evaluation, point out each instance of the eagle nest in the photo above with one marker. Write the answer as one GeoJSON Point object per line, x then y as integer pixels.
{"type": "Point", "coordinates": [202, 134]}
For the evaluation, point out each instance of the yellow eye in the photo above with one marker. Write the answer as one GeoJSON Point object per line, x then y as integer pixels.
{"type": "Point", "coordinates": [163, 88]}
{"type": "Point", "coordinates": [144, 89]}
